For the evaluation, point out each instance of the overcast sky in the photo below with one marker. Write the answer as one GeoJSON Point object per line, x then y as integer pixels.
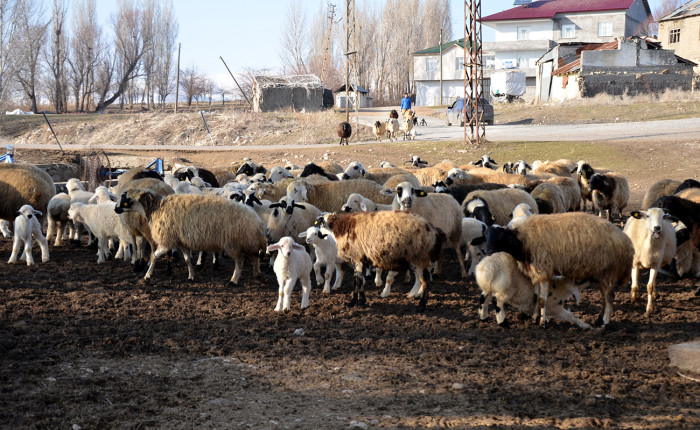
{"type": "Point", "coordinates": [247, 33]}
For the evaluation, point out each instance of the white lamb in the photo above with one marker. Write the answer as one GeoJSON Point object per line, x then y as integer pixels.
{"type": "Point", "coordinates": [104, 223]}
{"type": "Point", "coordinates": [326, 255]}
{"type": "Point", "coordinates": [521, 212]}
{"type": "Point", "coordinates": [358, 203]}
{"type": "Point", "coordinates": [292, 263]}
{"type": "Point", "coordinates": [102, 195]}
{"type": "Point", "coordinates": [5, 228]}
{"type": "Point", "coordinates": [474, 236]}
{"type": "Point", "coordinates": [27, 227]}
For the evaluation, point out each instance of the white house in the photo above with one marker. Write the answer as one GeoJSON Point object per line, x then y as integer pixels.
{"type": "Point", "coordinates": [525, 33]}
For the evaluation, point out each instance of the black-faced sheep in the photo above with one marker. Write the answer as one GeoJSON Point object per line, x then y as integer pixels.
{"type": "Point", "coordinates": [486, 161]}
{"type": "Point", "coordinates": [687, 184]}
{"type": "Point", "coordinates": [379, 130]}
{"type": "Point", "coordinates": [685, 210]}
{"type": "Point", "coordinates": [314, 169]}
{"type": "Point", "coordinates": [460, 191]}
{"type": "Point", "coordinates": [24, 185]}
{"type": "Point", "coordinates": [390, 241]}
{"type": "Point", "coordinates": [609, 192]}
{"type": "Point", "coordinates": [574, 245]}
{"type": "Point", "coordinates": [654, 240]}
{"type": "Point", "coordinates": [495, 206]}
{"type": "Point", "coordinates": [344, 132]}
{"type": "Point", "coordinates": [584, 172]}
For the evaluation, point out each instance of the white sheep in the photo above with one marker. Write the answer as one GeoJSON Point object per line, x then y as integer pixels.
{"type": "Point", "coordinates": [499, 277]}
{"type": "Point", "coordinates": [521, 212]}
{"type": "Point", "coordinates": [289, 218]}
{"type": "Point", "coordinates": [654, 240]}
{"type": "Point", "coordinates": [392, 128]}
{"type": "Point", "coordinates": [292, 263]}
{"type": "Point", "coordinates": [27, 226]}
{"type": "Point", "coordinates": [326, 255]}
{"type": "Point", "coordinates": [358, 203]}
{"type": "Point", "coordinates": [184, 187]}
{"type": "Point", "coordinates": [278, 173]}
{"type": "Point", "coordinates": [474, 236]}
{"type": "Point", "coordinates": [104, 223]}
{"type": "Point", "coordinates": [58, 218]}
{"type": "Point", "coordinates": [5, 228]}
{"type": "Point", "coordinates": [102, 195]}
{"type": "Point", "coordinates": [171, 180]}
{"type": "Point", "coordinates": [77, 193]}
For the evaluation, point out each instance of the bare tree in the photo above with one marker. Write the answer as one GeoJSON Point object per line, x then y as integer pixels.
{"type": "Point", "coordinates": [294, 39]}
{"type": "Point", "coordinates": [650, 26]}
{"type": "Point", "coordinates": [31, 26]}
{"type": "Point", "coordinates": [191, 83]}
{"type": "Point", "coordinates": [166, 33]}
{"type": "Point", "coordinates": [8, 38]}
{"type": "Point", "coordinates": [57, 82]}
{"type": "Point", "coordinates": [130, 43]}
{"type": "Point", "coordinates": [85, 50]}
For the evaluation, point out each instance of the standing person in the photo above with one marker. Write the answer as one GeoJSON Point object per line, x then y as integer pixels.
{"type": "Point", "coordinates": [405, 103]}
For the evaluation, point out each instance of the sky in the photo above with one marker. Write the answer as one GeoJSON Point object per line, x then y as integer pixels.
{"type": "Point", "coordinates": [247, 33]}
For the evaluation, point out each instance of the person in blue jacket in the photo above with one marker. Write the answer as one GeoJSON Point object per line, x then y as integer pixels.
{"type": "Point", "coordinates": [405, 103]}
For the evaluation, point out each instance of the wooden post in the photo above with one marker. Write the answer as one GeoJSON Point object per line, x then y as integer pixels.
{"type": "Point", "coordinates": [234, 80]}
{"type": "Point", "coordinates": [177, 85]}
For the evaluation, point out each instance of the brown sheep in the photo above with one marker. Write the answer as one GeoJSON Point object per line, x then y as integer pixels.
{"type": "Point", "coordinates": [22, 184]}
{"type": "Point", "coordinates": [344, 132]}
{"type": "Point", "coordinates": [662, 187]}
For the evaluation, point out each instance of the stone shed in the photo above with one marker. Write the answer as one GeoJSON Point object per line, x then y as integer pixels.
{"type": "Point", "coordinates": [299, 92]}
{"type": "Point", "coordinates": [625, 66]}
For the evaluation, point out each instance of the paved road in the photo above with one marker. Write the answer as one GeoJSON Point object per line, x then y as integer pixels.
{"type": "Point", "coordinates": [683, 129]}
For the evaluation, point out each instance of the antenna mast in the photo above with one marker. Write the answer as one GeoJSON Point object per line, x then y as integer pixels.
{"type": "Point", "coordinates": [331, 16]}
{"type": "Point", "coordinates": [474, 128]}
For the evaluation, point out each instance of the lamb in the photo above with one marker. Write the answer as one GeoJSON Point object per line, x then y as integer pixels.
{"type": "Point", "coordinates": [439, 209]}
{"type": "Point", "coordinates": [584, 172]}
{"type": "Point", "coordinates": [486, 161]}
{"type": "Point", "coordinates": [330, 196]}
{"type": "Point", "coordinates": [58, 217]}
{"type": "Point", "coordinates": [392, 128]}
{"type": "Point", "coordinates": [474, 236]}
{"type": "Point", "coordinates": [609, 192]}
{"type": "Point", "coordinates": [521, 212]}
{"type": "Point", "coordinates": [221, 226]}
{"type": "Point", "coordinates": [344, 131]}
{"type": "Point", "coordinates": [27, 227]}
{"type": "Point", "coordinates": [278, 173]}
{"type": "Point", "coordinates": [654, 240]}
{"type": "Point", "coordinates": [379, 130]}
{"type": "Point", "coordinates": [326, 256]}
{"type": "Point", "coordinates": [495, 206]}
{"type": "Point", "coordinates": [104, 223]}
{"type": "Point", "coordinates": [407, 128]}
{"type": "Point", "coordinates": [102, 195]}
{"type": "Point", "coordinates": [500, 278]}
{"type": "Point", "coordinates": [292, 263]}
{"type": "Point", "coordinates": [358, 203]}
{"type": "Point", "coordinates": [574, 245]}
{"type": "Point", "coordinates": [24, 185]}
{"type": "Point", "coordinates": [390, 241]}
{"type": "Point", "coordinates": [171, 180]}
{"type": "Point", "coordinates": [290, 219]}
{"type": "Point", "coordinates": [5, 229]}
{"type": "Point", "coordinates": [549, 198]}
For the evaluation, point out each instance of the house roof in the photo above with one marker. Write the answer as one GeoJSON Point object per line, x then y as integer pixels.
{"type": "Point", "coordinates": [352, 88]}
{"type": "Point", "coordinates": [576, 64]}
{"type": "Point", "coordinates": [305, 81]}
{"type": "Point", "coordinates": [445, 46]}
{"type": "Point", "coordinates": [692, 8]}
{"type": "Point", "coordinates": [546, 9]}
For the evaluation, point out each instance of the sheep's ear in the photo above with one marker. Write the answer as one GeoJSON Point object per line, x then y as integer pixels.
{"type": "Point", "coordinates": [637, 215]}
{"type": "Point", "coordinates": [302, 234]}
{"type": "Point", "coordinates": [93, 199]}
{"type": "Point", "coordinates": [363, 206]}
{"type": "Point", "coordinates": [275, 247]}
{"type": "Point", "coordinates": [298, 247]}
{"type": "Point", "coordinates": [575, 169]}
{"type": "Point", "coordinates": [36, 212]}
{"type": "Point", "coordinates": [321, 235]}
{"type": "Point", "coordinates": [478, 241]}
{"type": "Point", "coordinates": [419, 193]}
{"type": "Point", "coordinates": [17, 214]}
{"type": "Point", "coordinates": [388, 192]}
{"type": "Point", "coordinates": [528, 166]}
{"type": "Point", "coordinates": [671, 218]}
{"type": "Point", "coordinates": [275, 205]}
{"type": "Point", "coordinates": [478, 163]}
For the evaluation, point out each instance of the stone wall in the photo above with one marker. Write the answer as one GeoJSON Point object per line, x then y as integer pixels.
{"type": "Point", "coordinates": [634, 80]}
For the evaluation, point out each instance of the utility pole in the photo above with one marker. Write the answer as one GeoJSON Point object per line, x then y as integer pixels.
{"type": "Point", "coordinates": [177, 85]}
{"type": "Point", "coordinates": [331, 16]}
{"type": "Point", "coordinates": [351, 38]}
{"type": "Point", "coordinates": [441, 67]}
{"type": "Point", "coordinates": [473, 73]}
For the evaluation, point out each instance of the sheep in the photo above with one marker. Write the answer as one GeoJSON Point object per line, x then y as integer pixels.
{"type": "Point", "coordinates": [134, 174]}
{"type": "Point", "coordinates": [393, 114]}
{"type": "Point", "coordinates": [609, 192]}
{"type": "Point", "coordinates": [687, 211]}
{"type": "Point", "coordinates": [292, 263]}
{"type": "Point", "coordinates": [407, 128]}
{"type": "Point", "coordinates": [58, 217]}
{"type": "Point", "coordinates": [289, 218]}
{"type": "Point", "coordinates": [495, 206]}
{"type": "Point", "coordinates": [330, 196]}
{"type": "Point", "coordinates": [104, 223]}
{"type": "Point", "coordinates": [390, 241]}
{"type": "Point", "coordinates": [457, 176]}
{"type": "Point", "coordinates": [102, 195]}
{"type": "Point", "coordinates": [356, 170]}
{"type": "Point", "coordinates": [184, 187]}
{"type": "Point", "coordinates": [416, 162]}
{"type": "Point", "coordinates": [482, 174]}
{"type": "Point", "coordinates": [571, 192]}
{"type": "Point", "coordinates": [358, 203]}
{"type": "Point", "coordinates": [429, 175]}
{"type": "Point", "coordinates": [220, 226]}
{"type": "Point", "coordinates": [344, 132]}
{"type": "Point", "coordinates": [171, 180]}
{"type": "Point", "coordinates": [584, 172]}
{"type": "Point", "coordinates": [662, 187]}
{"type": "Point", "coordinates": [24, 185]}
{"type": "Point", "coordinates": [499, 277]}
{"type": "Point", "coordinates": [439, 209]}
{"type": "Point", "coordinates": [393, 181]}
{"type": "Point", "coordinates": [487, 162]}
{"type": "Point", "coordinates": [508, 167]}
{"type": "Point", "coordinates": [386, 165]}
{"type": "Point", "coordinates": [5, 229]}
{"type": "Point", "coordinates": [135, 223]}
{"type": "Point", "coordinates": [278, 173]}
{"type": "Point", "coordinates": [474, 236]}
{"type": "Point", "coordinates": [654, 240]}
{"type": "Point", "coordinates": [561, 167]}
{"type": "Point", "coordinates": [314, 169]}
{"type": "Point", "coordinates": [27, 227]}
{"type": "Point", "coordinates": [688, 183]}
{"type": "Point", "coordinates": [574, 245]}
{"type": "Point", "coordinates": [379, 130]}
{"type": "Point", "coordinates": [249, 168]}
{"type": "Point", "coordinates": [459, 192]}
{"type": "Point", "coordinates": [326, 255]}
{"type": "Point", "coordinates": [184, 173]}
{"type": "Point", "coordinates": [521, 212]}
{"type": "Point", "coordinates": [392, 128]}
{"type": "Point", "coordinates": [549, 198]}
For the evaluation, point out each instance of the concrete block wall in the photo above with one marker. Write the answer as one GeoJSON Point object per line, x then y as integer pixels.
{"type": "Point", "coordinates": [274, 98]}
{"type": "Point", "coordinates": [634, 80]}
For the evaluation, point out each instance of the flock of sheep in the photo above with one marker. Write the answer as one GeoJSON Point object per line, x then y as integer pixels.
{"type": "Point", "coordinates": [523, 228]}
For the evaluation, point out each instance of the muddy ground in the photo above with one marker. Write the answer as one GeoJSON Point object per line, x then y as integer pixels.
{"type": "Point", "coordinates": [88, 345]}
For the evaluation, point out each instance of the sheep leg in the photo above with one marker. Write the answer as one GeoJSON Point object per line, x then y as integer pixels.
{"type": "Point", "coordinates": [199, 261]}
{"type": "Point", "coordinates": [635, 283]}
{"type": "Point", "coordinates": [60, 226]}
{"type": "Point", "coordinates": [288, 287]}
{"type": "Point", "coordinates": [607, 292]}
{"type": "Point", "coordinates": [564, 314]}
{"type": "Point", "coordinates": [358, 280]}
{"type": "Point", "coordinates": [484, 308]}
{"type": "Point", "coordinates": [280, 293]}
{"type": "Point", "coordinates": [544, 293]}
{"type": "Point", "coordinates": [154, 256]}
{"type": "Point", "coordinates": [101, 254]}
{"type": "Point", "coordinates": [458, 250]}
{"type": "Point", "coordinates": [389, 281]}
{"type": "Point", "coordinates": [327, 275]}
{"type": "Point", "coordinates": [187, 256]}
{"type": "Point", "coordinates": [416, 285]}
{"type": "Point", "coordinates": [378, 278]}
{"type": "Point", "coordinates": [651, 290]}
{"type": "Point", "coordinates": [238, 259]}
{"type": "Point", "coordinates": [338, 276]}
{"type": "Point", "coordinates": [423, 292]}
{"type": "Point", "coordinates": [16, 245]}
{"type": "Point", "coordinates": [319, 278]}
{"type": "Point", "coordinates": [50, 229]}
{"type": "Point", "coordinates": [501, 312]}
{"type": "Point", "coordinates": [44, 246]}
{"type": "Point", "coordinates": [256, 267]}
{"type": "Point", "coordinates": [306, 289]}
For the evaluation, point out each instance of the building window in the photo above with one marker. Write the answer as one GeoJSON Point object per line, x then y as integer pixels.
{"type": "Point", "coordinates": [431, 64]}
{"type": "Point", "coordinates": [459, 63]}
{"type": "Point", "coordinates": [523, 33]}
{"type": "Point", "coordinates": [675, 36]}
{"type": "Point", "coordinates": [489, 61]}
{"type": "Point", "coordinates": [604, 29]}
{"type": "Point", "coordinates": [568, 31]}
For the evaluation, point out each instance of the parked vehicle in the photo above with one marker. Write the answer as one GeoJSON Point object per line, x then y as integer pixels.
{"type": "Point", "coordinates": [457, 112]}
